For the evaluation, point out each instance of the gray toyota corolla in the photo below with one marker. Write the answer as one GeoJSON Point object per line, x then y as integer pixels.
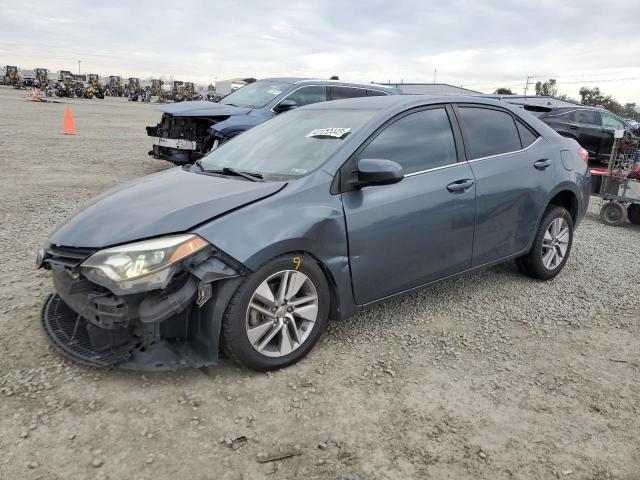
{"type": "Point", "coordinates": [309, 216]}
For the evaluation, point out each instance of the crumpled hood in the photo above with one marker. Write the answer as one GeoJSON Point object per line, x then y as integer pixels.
{"type": "Point", "coordinates": [171, 201]}
{"type": "Point", "coordinates": [202, 109]}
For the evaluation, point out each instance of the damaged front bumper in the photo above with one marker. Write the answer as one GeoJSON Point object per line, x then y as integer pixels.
{"type": "Point", "coordinates": [167, 329]}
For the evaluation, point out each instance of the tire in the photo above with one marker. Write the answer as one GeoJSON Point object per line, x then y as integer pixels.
{"type": "Point", "coordinates": [551, 248]}
{"type": "Point", "coordinates": [295, 335]}
{"type": "Point", "coordinates": [613, 213]}
{"type": "Point", "coordinates": [633, 212]}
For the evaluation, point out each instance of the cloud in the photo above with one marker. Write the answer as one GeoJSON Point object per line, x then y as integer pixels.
{"type": "Point", "coordinates": [483, 44]}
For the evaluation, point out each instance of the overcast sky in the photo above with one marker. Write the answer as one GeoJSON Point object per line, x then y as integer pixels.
{"type": "Point", "coordinates": [481, 45]}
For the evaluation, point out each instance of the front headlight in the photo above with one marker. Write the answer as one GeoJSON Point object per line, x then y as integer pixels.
{"type": "Point", "coordinates": [140, 266]}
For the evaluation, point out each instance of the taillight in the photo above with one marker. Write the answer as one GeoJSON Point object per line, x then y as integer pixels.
{"type": "Point", "coordinates": [583, 154]}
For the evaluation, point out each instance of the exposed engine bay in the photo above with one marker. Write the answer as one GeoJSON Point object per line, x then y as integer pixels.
{"type": "Point", "coordinates": [182, 140]}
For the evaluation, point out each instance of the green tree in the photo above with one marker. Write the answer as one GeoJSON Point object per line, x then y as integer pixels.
{"type": "Point", "coordinates": [547, 88]}
{"type": "Point", "coordinates": [503, 91]}
{"type": "Point", "coordinates": [595, 98]}
{"type": "Point", "coordinates": [630, 110]}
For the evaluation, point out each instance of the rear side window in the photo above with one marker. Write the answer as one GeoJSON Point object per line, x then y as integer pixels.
{"type": "Point", "coordinates": [338, 93]}
{"type": "Point", "coordinates": [527, 137]}
{"type": "Point", "coordinates": [375, 93]}
{"type": "Point", "coordinates": [309, 95]}
{"type": "Point", "coordinates": [586, 117]}
{"type": "Point", "coordinates": [418, 141]}
{"type": "Point", "coordinates": [488, 132]}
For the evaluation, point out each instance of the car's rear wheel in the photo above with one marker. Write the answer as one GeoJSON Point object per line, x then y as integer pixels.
{"type": "Point", "coordinates": [278, 314]}
{"type": "Point", "coordinates": [633, 212]}
{"type": "Point", "coordinates": [551, 245]}
{"type": "Point", "coordinates": [613, 213]}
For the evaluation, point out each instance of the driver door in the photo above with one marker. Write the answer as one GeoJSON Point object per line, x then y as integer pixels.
{"type": "Point", "coordinates": [420, 229]}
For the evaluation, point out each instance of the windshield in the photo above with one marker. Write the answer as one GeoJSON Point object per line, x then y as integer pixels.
{"type": "Point", "coordinates": [255, 95]}
{"type": "Point", "coordinates": [291, 145]}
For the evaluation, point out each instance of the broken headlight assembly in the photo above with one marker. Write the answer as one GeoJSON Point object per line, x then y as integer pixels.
{"type": "Point", "coordinates": [140, 266]}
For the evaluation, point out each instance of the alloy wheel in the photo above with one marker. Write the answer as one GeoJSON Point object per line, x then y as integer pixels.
{"type": "Point", "coordinates": [555, 243]}
{"type": "Point", "coordinates": [281, 313]}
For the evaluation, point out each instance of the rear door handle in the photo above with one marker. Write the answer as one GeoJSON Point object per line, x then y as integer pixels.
{"type": "Point", "coordinates": [573, 127]}
{"type": "Point", "coordinates": [542, 164]}
{"type": "Point", "coordinates": [460, 186]}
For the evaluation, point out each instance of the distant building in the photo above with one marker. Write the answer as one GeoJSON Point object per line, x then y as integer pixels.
{"type": "Point", "coordinates": [431, 88]}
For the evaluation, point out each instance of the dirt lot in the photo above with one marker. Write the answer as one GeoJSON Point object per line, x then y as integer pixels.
{"type": "Point", "coordinates": [492, 376]}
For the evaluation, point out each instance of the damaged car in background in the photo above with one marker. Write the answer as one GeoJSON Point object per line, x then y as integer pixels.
{"type": "Point", "coordinates": [188, 131]}
{"type": "Point", "coordinates": [310, 216]}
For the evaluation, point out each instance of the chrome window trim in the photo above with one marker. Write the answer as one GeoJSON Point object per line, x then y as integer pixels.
{"type": "Point", "coordinates": [506, 153]}
{"type": "Point", "coordinates": [442, 167]}
{"type": "Point", "coordinates": [318, 85]}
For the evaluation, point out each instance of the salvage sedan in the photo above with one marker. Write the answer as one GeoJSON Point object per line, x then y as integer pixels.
{"type": "Point", "coordinates": [305, 218]}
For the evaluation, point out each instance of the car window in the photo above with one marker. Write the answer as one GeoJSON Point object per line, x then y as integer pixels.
{"type": "Point", "coordinates": [586, 117]}
{"type": "Point", "coordinates": [488, 132]}
{"type": "Point", "coordinates": [527, 137]}
{"type": "Point", "coordinates": [338, 93]}
{"type": "Point", "coordinates": [610, 121]}
{"type": "Point", "coordinates": [308, 95]}
{"type": "Point", "coordinates": [418, 141]}
{"type": "Point", "coordinates": [255, 95]}
{"type": "Point", "coordinates": [376, 93]}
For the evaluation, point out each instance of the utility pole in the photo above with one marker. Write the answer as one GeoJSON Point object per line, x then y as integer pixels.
{"type": "Point", "coordinates": [79, 62]}
{"type": "Point", "coordinates": [435, 71]}
{"type": "Point", "coordinates": [526, 87]}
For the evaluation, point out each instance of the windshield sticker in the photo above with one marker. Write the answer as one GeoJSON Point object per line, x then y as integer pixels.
{"type": "Point", "coordinates": [335, 132]}
{"type": "Point", "coordinates": [274, 91]}
{"type": "Point", "coordinates": [300, 171]}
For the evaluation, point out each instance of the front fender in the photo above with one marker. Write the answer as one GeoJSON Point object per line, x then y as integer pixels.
{"type": "Point", "coordinates": [296, 220]}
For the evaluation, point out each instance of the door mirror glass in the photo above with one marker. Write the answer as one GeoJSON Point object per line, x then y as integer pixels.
{"type": "Point", "coordinates": [377, 171]}
{"type": "Point", "coordinates": [285, 106]}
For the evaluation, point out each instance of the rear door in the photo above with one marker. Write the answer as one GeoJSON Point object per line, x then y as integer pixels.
{"type": "Point", "coordinates": [420, 229]}
{"type": "Point", "coordinates": [514, 175]}
{"type": "Point", "coordinates": [589, 132]}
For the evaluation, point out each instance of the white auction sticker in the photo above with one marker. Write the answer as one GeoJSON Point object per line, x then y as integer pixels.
{"type": "Point", "coordinates": [335, 132]}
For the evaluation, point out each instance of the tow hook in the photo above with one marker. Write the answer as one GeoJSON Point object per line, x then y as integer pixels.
{"type": "Point", "coordinates": [204, 293]}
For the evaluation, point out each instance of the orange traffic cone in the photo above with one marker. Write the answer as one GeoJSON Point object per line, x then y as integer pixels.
{"type": "Point", "coordinates": [67, 123]}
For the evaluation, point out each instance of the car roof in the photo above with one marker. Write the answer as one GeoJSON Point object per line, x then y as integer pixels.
{"type": "Point", "coordinates": [395, 101]}
{"type": "Point", "coordinates": [324, 81]}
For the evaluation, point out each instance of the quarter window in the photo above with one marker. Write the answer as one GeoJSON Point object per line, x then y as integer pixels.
{"type": "Point", "coordinates": [527, 137]}
{"type": "Point", "coordinates": [418, 141]}
{"type": "Point", "coordinates": [309, 95]}
{"type": "Point", "coordinates": [586, 117]}
{"type": "Point", "coordinates": [611, 122]}
{"type": "Point", "coordinates": [338, 93]}
{"type": "Point", "coordinates": [488, 132]}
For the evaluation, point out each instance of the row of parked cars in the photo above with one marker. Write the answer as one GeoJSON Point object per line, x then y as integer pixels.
{"type": "Point", "coordinates": [187, 132]}
{"type": "Point", "coordinates": [313, 215]}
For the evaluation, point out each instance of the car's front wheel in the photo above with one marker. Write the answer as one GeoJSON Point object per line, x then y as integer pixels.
{"type": "Point", "coordinates": [551, 245]}
{"type": "Point", "coordinates": [278, 314]}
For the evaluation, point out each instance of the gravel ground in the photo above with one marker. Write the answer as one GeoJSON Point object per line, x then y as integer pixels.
{"type": "Point", "coordinates": [492, 376]}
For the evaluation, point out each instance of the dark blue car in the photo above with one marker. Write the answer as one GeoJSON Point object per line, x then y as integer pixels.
{"type": "Point", "coordinates": [310, 216]}
{"type": "Point", "coordinates": [189, 130]}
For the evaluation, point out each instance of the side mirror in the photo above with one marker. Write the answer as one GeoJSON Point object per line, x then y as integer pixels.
{"type": "Point", "coordinates": [376, 171]}
{"type": "Point", "coordinates": [285, 106]}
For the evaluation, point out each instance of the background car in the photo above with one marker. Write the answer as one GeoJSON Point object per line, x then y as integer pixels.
{"type": "Point", "coordinates": [310, 216]}
{"type": "Point", "coordinates": [593, 128]}
{"type": "Point", "coordinates": [188, 131]}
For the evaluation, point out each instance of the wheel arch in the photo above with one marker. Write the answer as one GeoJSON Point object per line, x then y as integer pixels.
{"type": "Point", "coordinates": [568, 199]}
{"type": "Point", "coordinates": [284, 249]}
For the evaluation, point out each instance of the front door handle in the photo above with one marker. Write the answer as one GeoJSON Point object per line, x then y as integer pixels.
{"type": "Point", "coordinates": [573, 127]}
{"type": "Point", "coordinates": [460, 186]}
{"type": "Point", "coordinates": [542, 164]}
